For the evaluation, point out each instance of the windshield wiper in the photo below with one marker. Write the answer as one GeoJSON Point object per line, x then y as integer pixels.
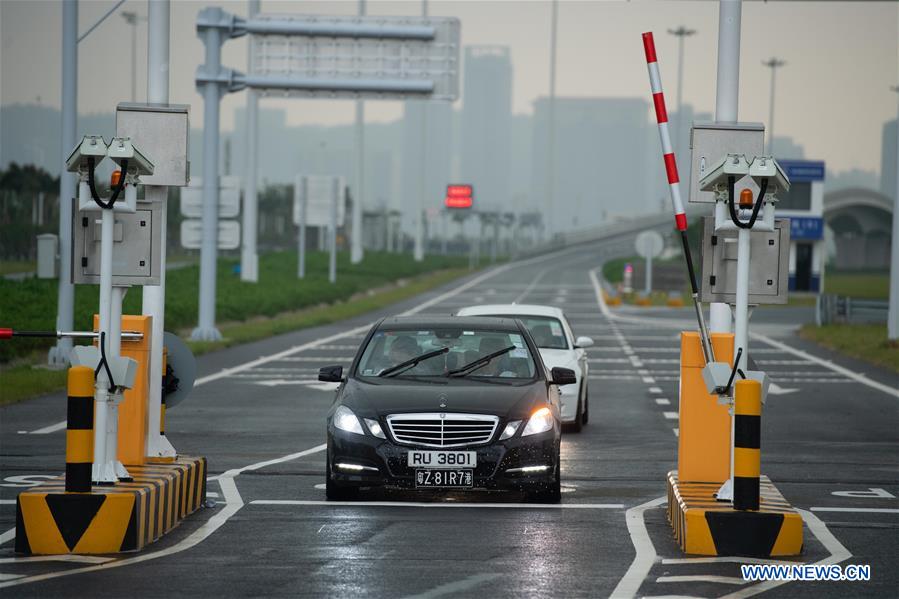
{"type": "Point", "coordinates": [471, 366]}
{"type": "Point", "coordinates": [402, 366]}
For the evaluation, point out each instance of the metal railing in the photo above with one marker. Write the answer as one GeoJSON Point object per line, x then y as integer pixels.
{"type": "Point", "coordinates": [831, 309]}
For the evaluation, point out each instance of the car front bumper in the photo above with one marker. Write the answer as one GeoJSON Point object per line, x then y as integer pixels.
{"type": "Point", "coordinates": [384, 463]}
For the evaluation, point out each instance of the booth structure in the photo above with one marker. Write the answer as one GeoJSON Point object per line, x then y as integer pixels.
{"type": "Point", "coordinates": [803, 204]}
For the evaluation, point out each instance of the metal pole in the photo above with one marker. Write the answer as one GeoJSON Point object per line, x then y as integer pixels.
{"type": "Point", "coordinates": [772, 63]}
{"type": "Point", "coordinates": [648, 273]}
{"type": "Point", "coordinates": [681, 33]}
{"type": "Point", "coordinates": [158, 28]}
{"type": "Point", "coordinates": [103, 470]}
{"type": "Point", "coordinates": [65, 303]}
{"type": "Point", "coordinates": [445, 227]}
{"type": "Point", "coordinates": [551, 146]}
{"type": "Point", "coordinates": [249, 259]}
{"type": "Point", "coordinates": [893, 315]}
{"type": "Point", "coordinates": [206, 330]}
{"type": "Point", "coordinates": [726, 108]}
{"type": "Point", "coordinates": [134, 60]}
{"type": "Point", "coordinates": [332, 231]}
{"type": "Point", "coordinates": [115, 349]}
{"type": "Point", "coordinates": [301, 243]}
{"type": "Point", "coordinates": [356, 250]}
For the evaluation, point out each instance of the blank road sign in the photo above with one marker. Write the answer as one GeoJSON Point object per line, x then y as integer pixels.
{"type": "Point", "coordinates": [192, 234]}
{"type": "Point", "coordinates": [229, 198]}
{"type": "Point", "coordinates": [329, 62]}
{"type": "Point", "coordinates": [649, 244]}
{"type": "Point", "coordinates": [318, 204]}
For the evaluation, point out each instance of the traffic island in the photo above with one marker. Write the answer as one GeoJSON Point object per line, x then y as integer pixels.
{"type": "Point", "coordinates": [110, 519]}
{"type": "Point", "coordinates": [704, 526]}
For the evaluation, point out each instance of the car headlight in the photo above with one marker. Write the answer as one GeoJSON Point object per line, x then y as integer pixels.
{"type": "Point", "coordinates": [374, 427]}
{"type": "Point", "coordinates": [539, 422]}
{"type": "Point", "coordinates": [510, 429]}
{"type": "Point", "coordinates": [345, 420]}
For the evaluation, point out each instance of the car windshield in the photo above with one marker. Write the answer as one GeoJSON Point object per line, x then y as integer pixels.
{"type": "Point", "coordinates": [546, 331]}
{"type": "Point", "coordinates": [388, 348]}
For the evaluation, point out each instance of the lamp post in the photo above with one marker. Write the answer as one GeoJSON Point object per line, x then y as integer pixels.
{"type": "Point", "coordinates": [893, 314]}
{"type": "Point", "coordinates": [132, 18]}
{"type": "Point", "coordinates": [680, 33]}
{"type": "Point", "coordinates": [773, 63]}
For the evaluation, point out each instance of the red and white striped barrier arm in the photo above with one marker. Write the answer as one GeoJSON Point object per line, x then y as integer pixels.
{"type": "Point", "coordinates": [658, 99]}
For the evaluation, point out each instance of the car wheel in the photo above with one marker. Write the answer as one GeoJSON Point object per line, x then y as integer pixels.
{"type": "Point", "coordinates": [553, 493]}
{"type": "Point", "coordinates": [335, 491]}
{"type": "Point", "coordinates": [586, 416]}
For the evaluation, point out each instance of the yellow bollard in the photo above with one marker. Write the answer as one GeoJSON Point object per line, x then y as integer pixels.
{"type": "Point", "coordinates": [79, 429]}
{"type": "Point", "coordinates": [747, 444]}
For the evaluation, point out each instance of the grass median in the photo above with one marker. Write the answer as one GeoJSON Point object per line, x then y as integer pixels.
{"type": "Point", "coordinates": [866, 342]}
{"type": "Point", "coordinates": [278, 303]}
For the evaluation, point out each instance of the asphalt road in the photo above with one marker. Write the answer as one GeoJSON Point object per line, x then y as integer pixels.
{"type": "Point", "coordinates": [833, 428]}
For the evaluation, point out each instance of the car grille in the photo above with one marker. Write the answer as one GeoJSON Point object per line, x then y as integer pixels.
{"type": "Point", "coordinates": [442, 429]}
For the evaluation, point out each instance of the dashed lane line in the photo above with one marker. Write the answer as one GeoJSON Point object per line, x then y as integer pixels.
{"type": "Point", "coordinates": [702, 578]}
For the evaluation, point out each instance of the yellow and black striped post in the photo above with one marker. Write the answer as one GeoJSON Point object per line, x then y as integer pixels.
{"type": "Point", "coordinates": [747, 444]}
{"type": "Point", "coordinates": [80, 430]}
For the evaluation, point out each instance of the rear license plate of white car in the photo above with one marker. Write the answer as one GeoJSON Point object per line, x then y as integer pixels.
{"type": "Point", "coordinates": [442, 459]}
{"type": "Point", "coordinates": [444, 478]}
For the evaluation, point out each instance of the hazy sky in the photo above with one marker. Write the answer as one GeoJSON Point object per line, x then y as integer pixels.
{"type": "Point", "coordinates": [832, 96]}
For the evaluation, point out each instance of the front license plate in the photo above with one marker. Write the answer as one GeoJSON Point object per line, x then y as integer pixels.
{"type": "Point", "coordinates": [442, 459]}
{"type": "Point", "coordinates": [444, 478]}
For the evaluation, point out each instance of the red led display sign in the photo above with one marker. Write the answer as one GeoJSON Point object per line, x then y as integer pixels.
{"type": "Point", "coordinates": [459, 196]}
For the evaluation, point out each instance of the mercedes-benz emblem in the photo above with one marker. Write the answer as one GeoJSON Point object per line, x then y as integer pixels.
{"type": "Point", "coordinates": [442, 405]}
{"type": "Point", "coordinates": [442, 399]}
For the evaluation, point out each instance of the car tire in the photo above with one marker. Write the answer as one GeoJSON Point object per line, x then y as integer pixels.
{"type": "Point", "coordinates": [586, 416]}
{"type": "Point", "coordinates": [335, 491]}
{"type": "Point", "coordinates": [553, 494]}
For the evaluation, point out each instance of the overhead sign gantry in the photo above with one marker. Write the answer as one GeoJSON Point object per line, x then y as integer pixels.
{"type": "Point", "coordinates": [313, 57]}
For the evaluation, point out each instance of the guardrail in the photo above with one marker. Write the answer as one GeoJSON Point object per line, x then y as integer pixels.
{"type": "Point", "coordinates": [830, 309]}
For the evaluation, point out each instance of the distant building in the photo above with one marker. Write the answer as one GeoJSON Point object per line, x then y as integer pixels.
{"type": "Point", "coordinates": [889, 160]}
{"type": "Point", "coordinates": [487, 125]}
{"type": "Point", "coordinates": [603, 159]}
{"type": "Point", "coordinates": [433, 163]}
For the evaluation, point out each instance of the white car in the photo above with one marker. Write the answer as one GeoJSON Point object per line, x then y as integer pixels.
{"type": "Point", "coordinates": [558, 347]}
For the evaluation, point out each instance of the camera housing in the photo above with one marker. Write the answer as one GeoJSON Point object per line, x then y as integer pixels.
{"type": "Point", "coordinates": [732, 165]}
{"type": "Point", "coordinates": [766, 167]}
{"type": "Point", "coordinates": [91, 146]}
{"type": "Point", "coordinates": [121, 149]}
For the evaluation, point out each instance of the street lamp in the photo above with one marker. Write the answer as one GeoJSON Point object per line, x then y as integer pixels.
{"type": "Point", "coordinates": [893, 313]}
{"type": "Point", "coordinates": [773, 63]}
{"type": "Point", "coordinates": [132, 18]}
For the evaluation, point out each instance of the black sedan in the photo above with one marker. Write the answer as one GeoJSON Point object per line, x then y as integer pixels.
{"type": "Point", "coordinates": [446, 403]}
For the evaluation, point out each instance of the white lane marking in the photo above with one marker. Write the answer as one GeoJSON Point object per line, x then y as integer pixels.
{"type": "Point", "coordinates": [22, 432]}
{"type": "Point", "coordinates": [830, 365]}
{"type": "Point", "coordinates": [860, 510]}
{"type": "Point", "coordinates": [458, 586]}
{"type": "Point", "coordinates": [7, 502]}
{"type": "Point", "coordinates": [838, 553]}
{"type": "Point", "coordinates": [701, 578]}
{"type": "Point", "coordinates": [726, 560]}
{"type": "Point", "coordinates": [775, 389]}
{"type": "Point", "coordinates": [655, 389]}
{"type": "Point", "coordinates": [648, 380]}
{"type": "Point", "coordinates": [287, 458]}
{"type": "Point", "coordinates": [49, 429]}
{"type": "Point", "coordinates": [597, 288]}
{"type": "Point", "coordinates": [77, 559]}
{"type": "Point", "coordinates": [676, 432]}
{"type": "Point", "coordinates": [10, 576]}
{"type": "Point", "coordinates": [523, 506]}
{"type": "Point", "coordinates": [662, 401]}
{"type": "Point", "coordinates": [530, 287]}
{"type": "Point", "coordinates": [645, 552]}
{"type": "Point", "coordinates": [670, 415]}
{"type": "Point", "coordinates": [8, 536]}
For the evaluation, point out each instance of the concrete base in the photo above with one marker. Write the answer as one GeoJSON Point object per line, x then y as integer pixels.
{"type": "Point", "coordinates": [110, 519]}
{"type": "Point", "coordinates": [703, 526]}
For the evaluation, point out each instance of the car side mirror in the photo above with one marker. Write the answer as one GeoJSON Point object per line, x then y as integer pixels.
{"type": "Point", "coordinates": [563, 376]}
{"type": "Point", "coordinates": [331, 374]}
{"type": "Point", "coordinates": [583, 342]}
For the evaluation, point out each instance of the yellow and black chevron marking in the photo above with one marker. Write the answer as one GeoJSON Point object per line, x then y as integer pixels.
{"type": "Point", "coordinates": [747, 444]}
{"type": "Point", "coordinates": [124, 517]}
{"type": "Point", "coordinates": [703, 526]}
{"type": "Point", "coordinates": [79, 429]}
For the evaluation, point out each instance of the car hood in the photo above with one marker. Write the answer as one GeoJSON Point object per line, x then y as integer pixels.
{"type": "Point", "coordinates": [396, 396]}
{"type": "Point", "coordinates": [564, 358]}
